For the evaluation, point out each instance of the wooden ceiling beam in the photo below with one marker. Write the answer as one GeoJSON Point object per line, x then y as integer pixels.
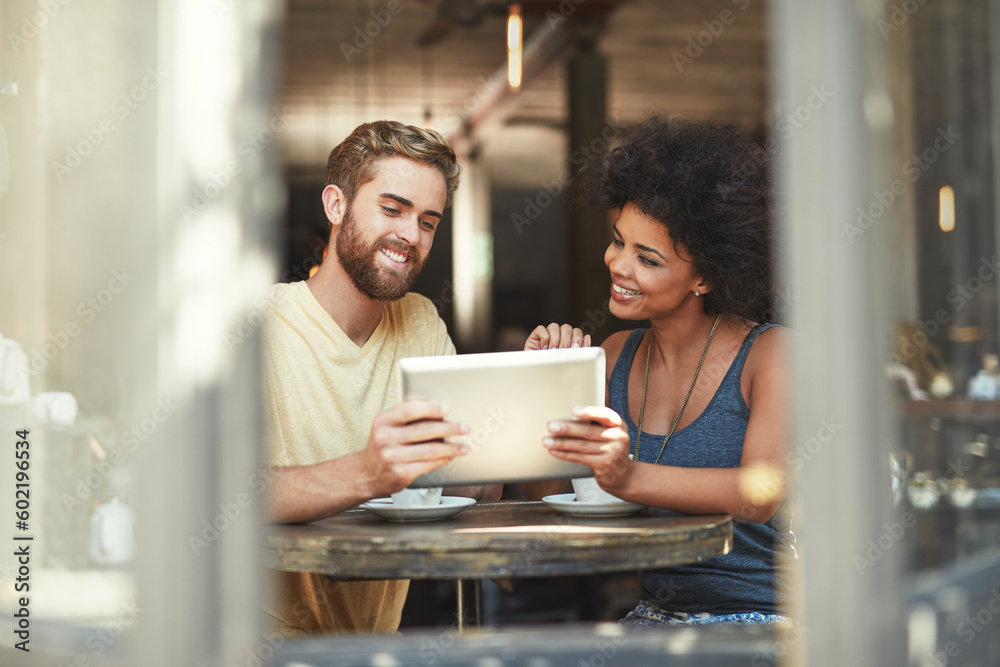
{"type": "Point", "coordinates": [545, 47]}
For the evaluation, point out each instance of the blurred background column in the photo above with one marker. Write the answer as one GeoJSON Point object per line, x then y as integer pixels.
{"type": "Point", "coordinates": [587, 136]}
{"type": "Point", "coordinates": [832, 92]}
{"type": "Point", "coordinates": [472, 257]}
{"type": "Point", "coordinates": [138, 192]}
{"type": "Point", "coordinates": [218, 197]}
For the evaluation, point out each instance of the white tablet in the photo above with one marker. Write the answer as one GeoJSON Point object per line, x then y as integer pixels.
{"type": "Point", "coordinates": [508, 399]}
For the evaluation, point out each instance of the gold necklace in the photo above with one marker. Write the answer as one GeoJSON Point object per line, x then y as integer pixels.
{"type": "Point", "coordinates": [645, 379]}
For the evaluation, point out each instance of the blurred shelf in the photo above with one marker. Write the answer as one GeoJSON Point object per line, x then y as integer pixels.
{"type": "Point", "coordinates": [951, 408]}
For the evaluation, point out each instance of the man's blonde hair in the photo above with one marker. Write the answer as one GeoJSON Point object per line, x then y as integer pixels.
{"type": "Point", "coordinates": [355, 161]}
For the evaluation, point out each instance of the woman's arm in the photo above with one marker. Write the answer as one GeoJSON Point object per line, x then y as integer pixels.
{"type": "Point", "coordinates": [751, 492]}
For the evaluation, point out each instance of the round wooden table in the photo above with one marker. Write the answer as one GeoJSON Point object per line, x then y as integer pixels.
{"type": "Point", "coordinates": [499, 539]}
{"type": "Point", "coordinates": [523, 539]}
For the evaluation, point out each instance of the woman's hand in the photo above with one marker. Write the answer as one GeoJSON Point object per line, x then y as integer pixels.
{"type": "Point", "coordinates": [596, 438]}
{"type": "Point", "coordinates": [555, 336]}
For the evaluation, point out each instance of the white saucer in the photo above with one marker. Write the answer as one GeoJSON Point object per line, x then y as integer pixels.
{"type": "Point", "coordinates": [383, 507]}
{"type": "Point", "coordinates": [568, 504]}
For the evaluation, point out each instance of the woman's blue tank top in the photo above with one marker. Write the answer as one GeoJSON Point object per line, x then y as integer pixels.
{"type": "Point", "coordinates": [743, 580]}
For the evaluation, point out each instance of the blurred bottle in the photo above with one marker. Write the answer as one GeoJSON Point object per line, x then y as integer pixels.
{"type": "Point", "coordinates": [60, 463]}
{"type": "Point", "coordinates": [112, 538]}
{"type": "Point", "coordinates": [15, 392]}
{"type": "Point", "coordinates": [15, 387]}
{"type": "Point", "coordinates": [985, 385]}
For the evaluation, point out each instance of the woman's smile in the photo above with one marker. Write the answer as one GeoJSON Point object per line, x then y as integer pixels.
{"type": "Point", "coordinates": [647, 271]}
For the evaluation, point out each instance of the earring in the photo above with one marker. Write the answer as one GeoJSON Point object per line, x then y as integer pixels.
{"type": "Point", "coordinates": [697, 293]}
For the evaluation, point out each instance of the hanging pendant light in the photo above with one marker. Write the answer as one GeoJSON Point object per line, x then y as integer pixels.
{"type": "Point", "coordinates": [514, 35]}
{"type": "Point", "coordinates": [946, 208]}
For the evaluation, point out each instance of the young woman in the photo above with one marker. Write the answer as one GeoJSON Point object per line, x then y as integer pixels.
{"type": "Point", "coordinates": [698, 401]}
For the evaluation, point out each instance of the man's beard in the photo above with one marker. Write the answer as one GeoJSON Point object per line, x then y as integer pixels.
{"type": "Point", "coordinates": [361, 264]}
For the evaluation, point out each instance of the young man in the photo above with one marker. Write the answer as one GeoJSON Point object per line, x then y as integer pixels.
{"type": "Point", "coordinates": [336, 432]}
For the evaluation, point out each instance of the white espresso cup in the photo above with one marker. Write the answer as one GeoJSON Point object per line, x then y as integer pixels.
{"type": "Point", "coordinates": [587, 490]}
{"type": "Point", "coordinates": [410, 498]}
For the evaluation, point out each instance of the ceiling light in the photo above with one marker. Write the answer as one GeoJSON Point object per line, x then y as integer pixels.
{"type": "Point", "coordinates": [514, 34]}
{"type": "Point", "coordinates": [946, 208]}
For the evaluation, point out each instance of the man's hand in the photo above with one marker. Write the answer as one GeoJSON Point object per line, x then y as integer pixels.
{"type": "Point", "coordinates": [407, 441]}
{"type": "Point", "coordinates": [404, 442]}
{"type": "Point", "coordinates": [555, 336]}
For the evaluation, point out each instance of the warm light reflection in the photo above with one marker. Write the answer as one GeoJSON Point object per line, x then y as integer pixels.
{"type": "Point", "coordinates": [314, 269]}
{"type": "Point", "coordinates": [946, 208]}
{"type": "Point", "coordinates": [761, 483]}
{"type": "Point", "coordinates": [514, 31]}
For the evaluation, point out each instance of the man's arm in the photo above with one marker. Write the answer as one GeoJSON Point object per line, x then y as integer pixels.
{"type": "Point", "coordinates": [300, 494]}
{"type": "Point", "coordinates": [404, 443]}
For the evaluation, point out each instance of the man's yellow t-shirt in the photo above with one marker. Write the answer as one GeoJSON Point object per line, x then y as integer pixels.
{"type": "Point", "coordinates": [321, 392]}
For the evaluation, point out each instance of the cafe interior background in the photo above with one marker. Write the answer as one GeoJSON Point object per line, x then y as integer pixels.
{"type": "Point", "coordinates": [160, 165]}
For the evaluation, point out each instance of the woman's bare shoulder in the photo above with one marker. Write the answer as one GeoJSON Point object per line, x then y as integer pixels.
{"type": "Point", "coordinates": [613, 345]}
{"type": "Point", "coordinates": [769, 354]}
{"type": "Point", "coordinates": [615, 342]}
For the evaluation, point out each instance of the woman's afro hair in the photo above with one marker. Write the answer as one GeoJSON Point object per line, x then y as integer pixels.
{"type": "Point", "coordinates": [708, 184]}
